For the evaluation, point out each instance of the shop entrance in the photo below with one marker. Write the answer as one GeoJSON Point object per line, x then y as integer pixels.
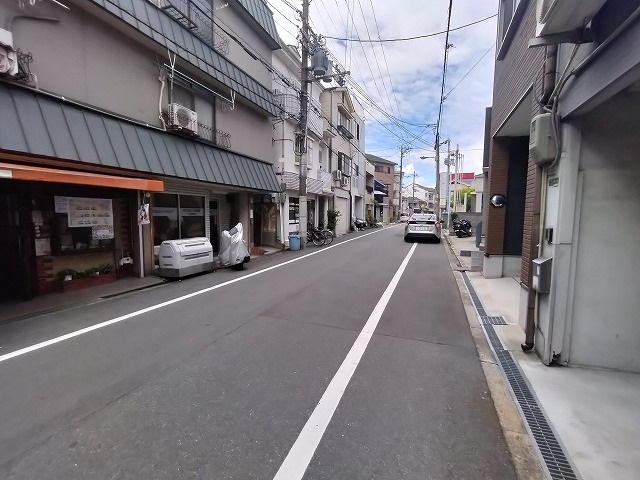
{"type": "Point", "coordinates": [16, 257]}
{"type": "Point", "coordinates": [265, 220]}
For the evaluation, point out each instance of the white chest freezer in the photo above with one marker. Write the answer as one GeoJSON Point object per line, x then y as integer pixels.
{"type": "Point", "coordinates": [178, 258]}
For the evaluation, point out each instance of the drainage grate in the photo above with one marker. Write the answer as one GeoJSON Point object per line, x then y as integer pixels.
{"type": "Point", "coordinates": [552, 453]}
{"type": "Point", "coordinates": [487, 320]}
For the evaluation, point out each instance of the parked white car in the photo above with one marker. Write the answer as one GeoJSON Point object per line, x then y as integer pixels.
{"type": "Point", "coordinates": [422, 225]}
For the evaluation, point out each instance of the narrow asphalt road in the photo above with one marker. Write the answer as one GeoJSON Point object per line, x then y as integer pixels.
{"type": "Point", "coordinates": [247, 378]}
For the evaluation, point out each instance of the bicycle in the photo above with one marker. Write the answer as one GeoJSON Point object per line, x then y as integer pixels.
{"type": "Point", "coordinates": [328, 236]}
{"type": "Point", "coordinates": [315, 235]}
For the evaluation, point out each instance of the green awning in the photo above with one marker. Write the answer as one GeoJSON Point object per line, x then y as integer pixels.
{"type": "Point", "coordinates": [38, 124]}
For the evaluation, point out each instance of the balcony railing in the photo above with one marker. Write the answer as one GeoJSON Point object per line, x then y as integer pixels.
{"type": "Point", "coordinates": [214, 136]}
{"type": "Point", "coordinates": [203, 132]}
{"type": "Point", "coordinates": [288, 105]}
{"type": "Point", "coordinates": [198, 18]}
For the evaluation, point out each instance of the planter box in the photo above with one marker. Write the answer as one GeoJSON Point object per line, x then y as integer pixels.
{"type": "Point", "coordinates": [85, 282]}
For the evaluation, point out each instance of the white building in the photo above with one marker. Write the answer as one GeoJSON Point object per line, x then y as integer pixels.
{"type": "Point", "coordinates": [286, 88]}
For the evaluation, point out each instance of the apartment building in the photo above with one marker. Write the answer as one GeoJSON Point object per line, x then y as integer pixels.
{"type": "Point", "coordinates": [127, 122]}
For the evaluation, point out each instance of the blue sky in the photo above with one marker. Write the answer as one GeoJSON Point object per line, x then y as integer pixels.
{"type": "Point", "coordinates": [404, 78]}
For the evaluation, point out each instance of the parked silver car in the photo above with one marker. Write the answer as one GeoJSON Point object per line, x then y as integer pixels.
{"type": "Point", "coordinates": [422, 225]}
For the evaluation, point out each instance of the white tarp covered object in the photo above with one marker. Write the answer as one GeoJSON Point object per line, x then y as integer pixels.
{"type": "Point", "coordinates": [233, 247]}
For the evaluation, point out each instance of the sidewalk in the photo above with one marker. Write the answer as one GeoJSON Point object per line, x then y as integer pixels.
{"type": "Point", "coordinates": [19, 310]}
{"type": "Point", "coordinates": [593, 413]}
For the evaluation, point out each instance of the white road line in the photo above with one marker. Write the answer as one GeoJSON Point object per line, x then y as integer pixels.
{"type": "Point", "coordinates": [297, 461]}
{"type": "Point", "coordinates": [97, 326]}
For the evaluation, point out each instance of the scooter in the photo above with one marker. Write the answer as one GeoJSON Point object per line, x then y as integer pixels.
{"type": "Point", "coordinates": [462, 228]}
{"type": "Point", "coordinates": [359, 224]}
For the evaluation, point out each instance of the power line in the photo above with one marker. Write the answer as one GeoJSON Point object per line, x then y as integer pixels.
{"type": "Point", "coordinates": [384, 55]}
{"type": "Point", "coordinates": [470, 70]}
{"type": "Point", "coordinates": [357, 40]}
{"type": "Point", "coordinates": [375, 56]}
{"type": "Point", "coordinates": [373, 76]}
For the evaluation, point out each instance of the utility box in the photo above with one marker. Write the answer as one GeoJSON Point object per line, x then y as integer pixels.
{"type": "Point", "coordinates": [542, 145]}
{"type": "Point", "coordinates": [178, 258]}
{"type": "Point", "coordinates": [542, 274]}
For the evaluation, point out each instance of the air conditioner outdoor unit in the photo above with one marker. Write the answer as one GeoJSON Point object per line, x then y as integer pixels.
{"type": "Point", "coordinates": [8, 55]}
{"type": "Point", "coordinates": [560, 16]}
{"type": "Point", "coordinates": [337, 175]}
{"type": "Point", "coordinates": [183, 118]}
{"type": "Point", "coordinates": [344, 181]}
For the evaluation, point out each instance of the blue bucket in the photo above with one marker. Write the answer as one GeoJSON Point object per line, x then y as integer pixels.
{"type": "Point", "coordinates": [294, 242]}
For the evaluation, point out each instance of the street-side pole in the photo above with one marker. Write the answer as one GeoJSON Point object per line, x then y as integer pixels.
{"type": "Point", "coordinates": [301, 144]}
{"type": "Point", "coordinates": [438, 209]}
{"type": "Point", "coordinates": [403, 151]}
{"type": "Point", "coordinates": [448, 189]}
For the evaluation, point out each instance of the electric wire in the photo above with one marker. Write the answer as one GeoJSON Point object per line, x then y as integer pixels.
{"type": "Point", "coordinates": [444, 75]}
{"type": "Point", "coordinates": [417, 37]}
{"type": "Point", "coordinates": [468, 72]}
{"type": "Point", "coordinates": [375, 56]}
{"type": "Point", "coordinates": [384, 56]}
{"type": "Point", "coordinates": [373, 76]}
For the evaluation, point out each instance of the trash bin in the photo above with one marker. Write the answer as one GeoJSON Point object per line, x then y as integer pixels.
{"type": "Point", "coordinates": [294, 242]}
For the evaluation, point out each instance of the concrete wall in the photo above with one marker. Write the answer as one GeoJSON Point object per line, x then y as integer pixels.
{"type": "Point", "coordinates": [85, 59]}
{"type": "Point", "coordinates": [250, 133]}
{"type": "Point", "coordinates": [605, 319]}
{"type": "Point", "coordinates": [232, 22]}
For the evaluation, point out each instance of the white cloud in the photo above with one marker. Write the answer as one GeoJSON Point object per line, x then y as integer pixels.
{"type": "Point", "coordinates": [405, 81]}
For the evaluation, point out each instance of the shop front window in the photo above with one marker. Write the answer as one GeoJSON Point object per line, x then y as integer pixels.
{"type": "Point", "coordinates": [82, 225]}
{"type": "Point", "coordinates": [294, 210]}
{"type": "Point", "coordinates": [177, 216]}
{"type": "Point", "coordinates": [164, 213]}
{"type": "Point", "coordinates": [191, 216]}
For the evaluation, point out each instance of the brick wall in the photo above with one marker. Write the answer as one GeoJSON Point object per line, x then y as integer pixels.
{"type": "Point", "coordinates": [494, 229]}
{"type": "Point", "coordinates": [517, 71]}
{"type": "Point", "coordinates": [520, 69]}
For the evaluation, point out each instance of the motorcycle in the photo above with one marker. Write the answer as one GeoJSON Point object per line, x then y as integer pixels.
{"type": "Point", "coordinates": [462, 228]}
{"type": "Point", "coordinates": [359, 224]}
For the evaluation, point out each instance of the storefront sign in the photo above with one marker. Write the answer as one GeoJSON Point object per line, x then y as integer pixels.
{"type": "Point", "coordinates": [102, 232]}
{"type": "Point", "coordinates": [192, 212]}
{"type": "Point", "coordinates": [88, 212]}
{"type": "Point", "coordinates": [61, 204]}
{"type": "Point", "coordinates": [143, 214]}
{"type": "Point", "coordinates": [43, 247]}
{"type": "Point", "coordinates": [171, 213]}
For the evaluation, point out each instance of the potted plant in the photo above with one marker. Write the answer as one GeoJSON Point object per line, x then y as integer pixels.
{"type": "Point", "coordinates": [75, 280]}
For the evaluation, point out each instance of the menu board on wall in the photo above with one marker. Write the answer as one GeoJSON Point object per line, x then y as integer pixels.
{"type": "Point", "coordinates": [89, 212]}
{"type": "Point", "coordinates": [61, 204]}
{"type": "Point", "coordinates": [43, 247]}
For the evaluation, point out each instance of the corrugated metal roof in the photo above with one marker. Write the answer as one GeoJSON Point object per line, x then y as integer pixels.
{"type": "Point", "coordinates": [263, 16]}
{"type": "Point", "coordinates": [157, 25]}
{"type": "Point", "coordinates": [40, 124]}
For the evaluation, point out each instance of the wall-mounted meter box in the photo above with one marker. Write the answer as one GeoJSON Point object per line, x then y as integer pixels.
{"type": "Point", "coordinates": [542, 146]}
{"type": "Point", "coordinates": [542, 274]}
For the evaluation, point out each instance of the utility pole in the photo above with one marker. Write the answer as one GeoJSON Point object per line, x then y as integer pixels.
{"type": "Point", "coordinates": [404, 149]}
{"type": "Point", "coordinates": [301, 134]}
{"type": "Point", "coordinates": [415, 174]}
{"type": "Point", "coordinates": [447, 45]}
{"type": "Point", "coordinates": [448, 163]}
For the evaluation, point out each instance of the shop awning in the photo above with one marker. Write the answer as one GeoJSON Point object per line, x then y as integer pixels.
{"type": "Point", "coordinates": [42, 125]}
{"type": "Point", "coordinates": [44, 174]}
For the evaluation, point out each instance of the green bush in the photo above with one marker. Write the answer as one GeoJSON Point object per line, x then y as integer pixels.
{"type": "Point", "coordinates": [333, 217]}
{"type": "Point", "coordinates": [370, 219]}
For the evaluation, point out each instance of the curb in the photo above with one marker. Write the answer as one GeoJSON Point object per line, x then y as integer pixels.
{"type": "Point", "coordinates": [523, 453]}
